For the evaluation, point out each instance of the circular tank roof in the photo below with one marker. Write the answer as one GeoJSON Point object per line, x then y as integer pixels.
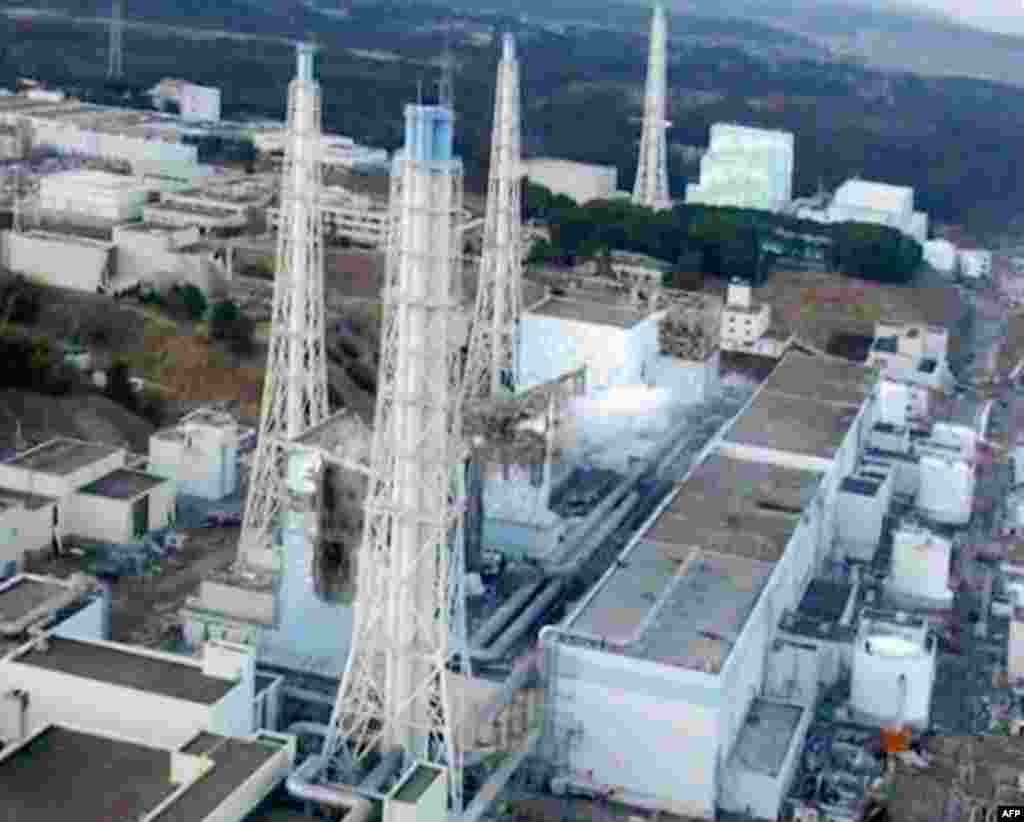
{"type": "Point", "coordinates": [892, 646]}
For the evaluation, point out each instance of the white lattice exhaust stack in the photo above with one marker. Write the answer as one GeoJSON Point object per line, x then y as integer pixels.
{"type": "Point", "coordinates": [651, 186]}
{"type": "Point", "coordinates": [409, 617]}
{"type": "Point", "coordinates": [295, 385]}
{"type": "Point", "coordinates": [493, 348]}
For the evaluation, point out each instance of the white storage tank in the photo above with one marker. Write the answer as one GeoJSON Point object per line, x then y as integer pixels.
{"type": "Point", "coordinates": [893, 671]}
{"type": "Point", "coordinates": [920, 565]}
{"type": "Point", "coordinates": [893, 403]}
{"type": "Point", "coordinates": [946, 491]}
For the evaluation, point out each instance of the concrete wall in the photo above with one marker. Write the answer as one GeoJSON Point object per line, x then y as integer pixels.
{"type": "Point", "coordinates": [687, 381]}
{"type": "Point", "coordinates": [256, 788]}
{"type": "Point", "coordinates": [56, 485]}
{"type": "Point", "coordinates": [648, 731]}
{"type": "Point", "coordinates": [96, 517]}
{"type": "Point", "coordinates": [97, 706]}
{"type": "Point", "coordinates": [208, 470]}
{"type": "Point", "coordinates": [762, 794]}
{"type": "Point", "coordinates": [581, 181]}
{"type": "Point", "coordinates": [161, 505]}
{"type": "Point", "coordinates": [24, 529]}
{"type": "Point", "coordinates": [164, 267]}
{"type": "Point", "coordinates": [552, 346]}
{"type": "Point", "coordinates": [60, 262]}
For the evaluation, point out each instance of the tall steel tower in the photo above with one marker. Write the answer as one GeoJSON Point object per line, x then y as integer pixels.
{"type": "Point", "coordinates": [651, 186]}
{"type": "Point", "coordinates": [295, 385]}
{"type": "Point", "coordinates": [493, 347]}
{"type": "Point", "coordinates": [409, 619]}
{"type": "Point", "coordinates": [115, 63]}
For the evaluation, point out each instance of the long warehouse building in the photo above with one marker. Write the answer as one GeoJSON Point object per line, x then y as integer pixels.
{"type": "Point", "coordinates": [678, 632]}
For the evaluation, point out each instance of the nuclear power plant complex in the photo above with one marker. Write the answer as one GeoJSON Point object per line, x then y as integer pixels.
{"type": "Point", "coordinates": [571, 566]}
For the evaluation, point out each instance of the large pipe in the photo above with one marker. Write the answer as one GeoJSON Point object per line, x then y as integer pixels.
{"type": "Point", "coordinates": [572, 566]}
{"type": "Point", "coordinates": [497, 651]}
{"type": "Point", "coordinates": [300, 785]}
{"type": "Point", "coordinates": [306, 695]}
{"type": "Point", "coordinates": [492, 627]}
{"type": "Point", "coordinates": [491, 789]}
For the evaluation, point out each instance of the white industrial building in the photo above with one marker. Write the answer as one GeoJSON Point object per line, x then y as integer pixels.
{"type": "Point", "coordinates": [357, 218]}
{"type": "Point", "coordinates": [915, 353]}
{"type": "Point", "coordinates": [747, 324]}
{"type": "Point", "coordinates": [161, 257]}
{"type": "Point", "coordinates": [96, 194]}
{"type": "Point", "coordinates": [632, 269]}
{"type": "Point", "coordinates": [921, 567]}
{"type": "Point", "coordinates": [106, 728]}
{"type": "Point", "coordinates": [68, 487]}
{"type": "Point", "coordinates": [335, 150]}
{"type": "Point", "coordinates": [678, 634]}
{"type": "Point", "coordinates": [862, 201]}
{"type": "Point", "coordinates": [200, 454]}
{"type": "Point", "coordinates": [582, 182]}
{"type": "Point", "coordinates": [616, 342]}
{"type": "Point", "coordinates": [974, 263]}
{"type": "Point", "coordinates": [61, 260]}
{"type": "Point", "coordinates": [745, 168]}
{"type": "Point", "coordinates": [195, 103]}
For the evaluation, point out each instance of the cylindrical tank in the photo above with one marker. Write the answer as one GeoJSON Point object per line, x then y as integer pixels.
{"type": "Point", "coordinates": [893, 402]}
{"type": "Point", "coordinates": [879, 660]}
{"type": "Point", "coordinates": [946, 491]}
{"type": "Point", "coordinates": [920, 564]}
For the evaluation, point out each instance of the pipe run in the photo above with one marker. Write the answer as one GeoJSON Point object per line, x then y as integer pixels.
{"type": "Point", "coordinates": [500, 618]}
{"type": "Point", "coordinates": [497, 651]}
{"type": "Point", "coordinates": [491, 789]}
{"type": "Point", "coordinates": [301, 784]}
{"type": "Point", "coordinates": [306, 695]}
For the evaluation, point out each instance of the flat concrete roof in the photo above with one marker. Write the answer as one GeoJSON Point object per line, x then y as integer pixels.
{"type": "Point", "coordinates": [798, 425]}
{"type": "Point", "coordinates": [736, 507]}
{"type": "Point", "coordinates": [766, 736]}
{"type": "Point", "coordinates": [684, 592]}
{"type": "Point", "coordinates": [105, 779]}
{"type": "Point", "coordinates": [591, 308]}
{"type": "Point", "coordinates": [820, 378]}
{"type": "Point", "coordinates": [25, 595]}
{"type": "Point", "coordinates": [122, 484]}
{"type": "Point", "coordinates": [63, 774]}
{"type": "Point", "coordinates": [128, 670]}
{"type": "Point", "coordinates": [62, 456]}
{"type": "Point", "coordinates": [235, 760]}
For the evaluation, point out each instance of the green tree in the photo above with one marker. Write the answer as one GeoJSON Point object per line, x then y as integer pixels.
{"type": "Point", "coordinates": [232, 325]}
{"type": "Point", "coordinates": [119, 384]}
{"type": "Point", "coordinates": [188, 301]}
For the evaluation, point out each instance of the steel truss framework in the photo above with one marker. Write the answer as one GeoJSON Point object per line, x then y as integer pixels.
{"type": "Point", "coordinates": [295, 385]}
{"type": "Point", "coordinates": [409, 612]}
{"type": "Point", "coordinates": [651, 186]}
{"type": "Point", "coordinates": [492, 363]}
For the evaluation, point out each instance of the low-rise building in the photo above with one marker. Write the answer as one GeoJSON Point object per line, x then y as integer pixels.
{"type": "Point", "coordinates": [747, 324]}
{"type": "Point", "coordinates": [200, 454]}
{"type": "Point", "coordinates": [863, 201]}
{"type": "Point", "coordinates": [358, 218]}
{"type": "Point", "coordinates": [162, 256]}
{"type": "Point", "coordinates": [95, 194]}
{"type": "Point", "coordinates": [195, 103]}
{"type": "Point", "coordinates": [59, 259]}
{"type": "Point", "coordinates": [745, 168]}
{"type": "Point", "coordinates": [915, 353]}
{"type": "Point", "coordinates": [582, 182]}
{"type": "Point", "coordinates": [68, 487]}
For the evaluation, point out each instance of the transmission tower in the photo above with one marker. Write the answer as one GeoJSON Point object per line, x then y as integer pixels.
{"type": "Point", "coordinates": [409, 618]}
{"type": "Point", "coordinates": [651, 186]}
{"type": "Point", "coordinates": [115, 63]}
{"type": "Point", "coordinates": [295, 385]}
{"type": "Point", "coordinates": [493, 347]}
